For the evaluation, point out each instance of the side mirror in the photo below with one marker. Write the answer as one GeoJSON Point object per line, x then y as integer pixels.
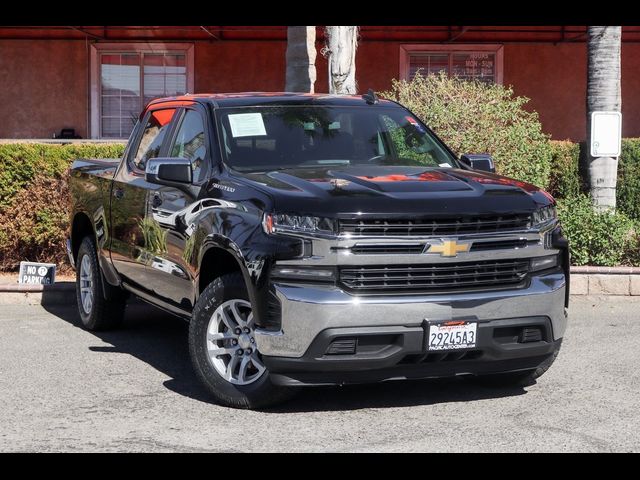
{"type": "Point", "coordinates": [481, 161]}
{"type": "Point", "coordinates": [169, 171]}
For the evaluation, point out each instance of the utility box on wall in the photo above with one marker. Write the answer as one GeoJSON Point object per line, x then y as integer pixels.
{"type": "Point", "coordinates": [606, 134]}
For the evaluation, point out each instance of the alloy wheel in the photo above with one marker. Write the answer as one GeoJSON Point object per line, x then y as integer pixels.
{"type": "Point", "coordinates": [231, 343]}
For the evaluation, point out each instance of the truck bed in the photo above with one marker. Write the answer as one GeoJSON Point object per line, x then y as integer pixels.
{"type": "Point", "coordinates": [90, 184]}
{"type": "Point", "coordinates": [99, 167]}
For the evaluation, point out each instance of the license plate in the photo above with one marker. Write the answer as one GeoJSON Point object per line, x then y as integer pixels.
{"type": "Point", "coordinates": [452, 335]}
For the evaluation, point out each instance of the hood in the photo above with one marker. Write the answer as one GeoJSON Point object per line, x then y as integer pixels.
{"type": "Point", "coordinates": [344, 191]}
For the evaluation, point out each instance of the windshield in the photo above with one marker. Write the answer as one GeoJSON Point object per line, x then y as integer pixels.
{"type": "Point", "coordinates": [282, 137]}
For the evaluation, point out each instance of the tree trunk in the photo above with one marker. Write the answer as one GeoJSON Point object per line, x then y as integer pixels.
{"type": "Point", "coordinates": [341, 45]}
{"type": "Point", "coordinates": [301, 59]}
{"type": "Point", "coordinates": [603, 93]}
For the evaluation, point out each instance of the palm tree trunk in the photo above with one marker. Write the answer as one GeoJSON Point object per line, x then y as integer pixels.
{"type": "Point", "coordinates": [341, 45]}
{"type": "Point", "coordinates": [603, 94]}
{"type": "Point", "coordinates": [301, 59]}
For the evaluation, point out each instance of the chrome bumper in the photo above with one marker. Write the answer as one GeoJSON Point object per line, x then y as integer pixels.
{"type": "Point", "coordinates": [308, 310]}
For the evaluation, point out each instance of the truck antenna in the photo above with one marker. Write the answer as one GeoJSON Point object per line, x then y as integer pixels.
{"type": "Point", "coordinates": [370, 97]}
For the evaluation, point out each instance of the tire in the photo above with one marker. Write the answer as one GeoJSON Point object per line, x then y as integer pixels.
{"type": "Point", "coordinates": [237, 377]}
{"type": "Point", "coordinates": [515, 379]}
{"type": "Point", "coordinates": [97, 313]}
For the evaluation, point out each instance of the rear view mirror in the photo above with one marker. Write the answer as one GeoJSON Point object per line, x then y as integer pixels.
{"type": "Point", "coordinates": [169, 171]}
{"type": "Point", "coordinates": [480, 161]}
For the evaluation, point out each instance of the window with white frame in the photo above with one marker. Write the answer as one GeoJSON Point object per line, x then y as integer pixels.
{"type": "Point", "coordinates": [125, 77]}
{"type": "Point", "coordinates": [469, 62]}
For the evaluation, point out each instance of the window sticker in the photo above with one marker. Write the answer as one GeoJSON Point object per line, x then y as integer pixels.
{"type": "Point", "coordinates": [334, 126]}
{"type": "Point", "coordinates": [246, 125]}
{"type": "Point", "coordinates": [444, 165]}
{"type": "Point", "coordinates": [309, 126]}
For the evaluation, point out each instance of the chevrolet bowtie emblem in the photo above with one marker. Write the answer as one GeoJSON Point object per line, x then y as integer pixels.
{"type": "Point", "coordinates": [449, 248]}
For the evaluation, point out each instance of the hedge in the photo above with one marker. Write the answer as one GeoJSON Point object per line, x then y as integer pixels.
{"type": "Point", "coordinates": [628, 188]}
{"type": "Point", "coordinates": [598, 238]}
{"type": "Point", "coordinates": [34, 198]}
{"type": "Point", "coordinates": [564, 180]}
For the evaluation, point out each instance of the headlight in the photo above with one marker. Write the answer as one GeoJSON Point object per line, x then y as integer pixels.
{"type": "Point", "coordinates": [543, 215]}
{"type": "Point", "coordinates": [274, 223]}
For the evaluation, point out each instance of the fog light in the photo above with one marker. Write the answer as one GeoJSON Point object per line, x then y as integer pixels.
{"type": "Point", "coordinates": [304, 273]}
{"type": "Point", "coordinates": [544, 263]}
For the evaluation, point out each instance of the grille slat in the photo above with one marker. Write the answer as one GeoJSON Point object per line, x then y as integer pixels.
{"type": "Point", "coordinates": [425, 278]}
{"type": "Point", "coordinates": [432, 227]}
{"type": "Point", "coordinates": [381, 249]}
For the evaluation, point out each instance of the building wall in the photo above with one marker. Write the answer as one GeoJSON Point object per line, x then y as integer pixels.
{"type": "Point", "coordinates": [44, 83]}
{"type": "Point", "coordinates": [43, 87]}
{"type": "Point", "coordinates": [239, 66]}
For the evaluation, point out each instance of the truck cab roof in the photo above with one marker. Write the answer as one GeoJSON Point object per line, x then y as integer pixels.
{"type": "Point", "coordinates": [249, 99]}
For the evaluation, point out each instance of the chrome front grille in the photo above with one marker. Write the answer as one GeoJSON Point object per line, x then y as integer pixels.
{"type": "Point", "coordinates": [435, 277]}
{"type": "Point", "coordinates": [434, 226]}
{"type": "Point", "coordinates": [419, 248]}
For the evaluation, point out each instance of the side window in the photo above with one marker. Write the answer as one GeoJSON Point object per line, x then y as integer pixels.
{"type": "Point", "coordinates": [153, 136]}
{"type": "Point", "coordinates": [190, 142]}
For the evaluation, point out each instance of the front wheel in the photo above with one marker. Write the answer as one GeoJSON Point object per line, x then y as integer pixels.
{"type": "Point", "coordinates": [223, 347]}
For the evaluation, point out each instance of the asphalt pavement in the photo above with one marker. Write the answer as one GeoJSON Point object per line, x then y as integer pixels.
{"type": "Point", "coordinates": [66, 389]}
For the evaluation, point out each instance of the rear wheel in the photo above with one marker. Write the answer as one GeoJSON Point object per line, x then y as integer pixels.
{"type": "Point", "coordinates": [223, 348]}
{"type": "Point", "coordinates": [96, 312]}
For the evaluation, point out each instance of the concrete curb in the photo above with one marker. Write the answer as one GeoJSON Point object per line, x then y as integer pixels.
{"type": "Point", "coordinates": [623, 281]}
{"type": "Point", "coordinates": [63, 293]}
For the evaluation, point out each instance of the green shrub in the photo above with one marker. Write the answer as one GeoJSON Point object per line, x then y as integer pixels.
{"type": "Point", "coordinates": [34, 226]}
{"type": "Point", "coordinates": [564, 180]}
{"type": "Point", "coordinates": [34, 198]}
{"type": "Point", "coordinates": [19, 162]}
{"type": "Point", "coordinates": [598, 238]}
{"type": "Point", "coordinates": [628, 188]}
{"type": "Point", "coordinates": [475, 117]}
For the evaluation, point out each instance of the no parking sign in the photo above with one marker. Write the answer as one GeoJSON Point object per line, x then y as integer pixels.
{"type": "Point", "coordinates": [37, 273]}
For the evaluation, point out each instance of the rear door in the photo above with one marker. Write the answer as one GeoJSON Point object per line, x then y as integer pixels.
{"type": "Point", "coordinates": [135, 238]}
{"type": "Point", "coordinates": [172, 272]}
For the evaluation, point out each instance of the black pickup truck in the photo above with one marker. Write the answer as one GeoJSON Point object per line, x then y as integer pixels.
{"type": "Point", "coordinates": [316, 240]}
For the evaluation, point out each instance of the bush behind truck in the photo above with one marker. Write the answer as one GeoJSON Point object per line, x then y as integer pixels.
{"type": "Point", "coordinates": [314, 240]}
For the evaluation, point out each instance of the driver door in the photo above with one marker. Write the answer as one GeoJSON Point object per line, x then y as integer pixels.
{"type": "Point", "coordinates": [172, 270]}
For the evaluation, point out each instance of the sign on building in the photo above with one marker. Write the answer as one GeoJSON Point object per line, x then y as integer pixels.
{"type": "Point", "coordinates": [37, 273]}
{"type": "Point", "coordinates": [606, 134]}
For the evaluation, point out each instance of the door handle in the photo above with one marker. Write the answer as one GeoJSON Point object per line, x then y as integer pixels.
{"type": "Point", "coordinates": [118, 193]}
{"type": "Point", "coordinates": [157, 200]}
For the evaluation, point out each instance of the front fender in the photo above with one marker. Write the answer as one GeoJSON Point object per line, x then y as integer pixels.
{"type": "Point", "coordinates": [240, 234]}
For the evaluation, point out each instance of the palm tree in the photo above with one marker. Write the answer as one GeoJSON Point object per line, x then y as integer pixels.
{"type": "Point", "coordinates": [603, 94]}
{"type": "Point", "coordinates": [341, 45]}
{"type": "Point", "coordinates": [301, 59]}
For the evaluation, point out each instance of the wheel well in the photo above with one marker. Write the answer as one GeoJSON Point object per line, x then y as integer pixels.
{"type": "Point", "coordinates": [215, 263]}
{"type": "Point", "coordinates": [81, 228]}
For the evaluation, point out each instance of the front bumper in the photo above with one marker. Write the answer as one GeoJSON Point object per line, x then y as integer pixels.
{"type": "Point", "coordinates": [310, 314]}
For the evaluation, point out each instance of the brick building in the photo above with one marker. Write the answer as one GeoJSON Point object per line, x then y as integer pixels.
{"type": "Point", "coordinates": [96, 79]}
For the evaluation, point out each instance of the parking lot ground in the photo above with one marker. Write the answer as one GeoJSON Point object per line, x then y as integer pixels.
{"type": "Point", "coordinates": [66, 389]}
